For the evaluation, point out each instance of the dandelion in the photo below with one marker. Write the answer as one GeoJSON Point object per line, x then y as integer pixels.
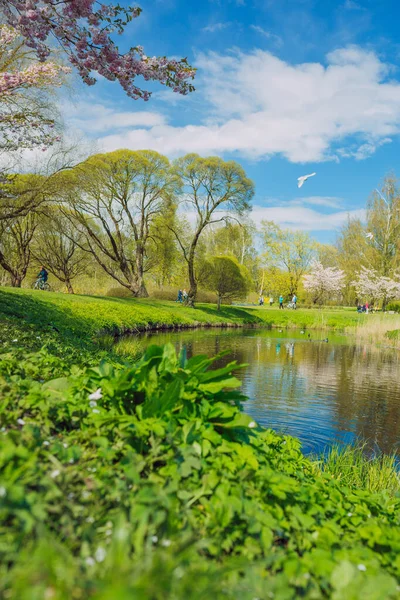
{"type": "Point", "coordinates": [100, 554]}
{"type": "Point", "coordinates": [3, 492]}
{"type": "Point", "coordinates": [252, 424]}
{"type": "Point", "coordinates": [96, 395]}
{"type": "Point", "coordinates": [20, 421]}
{"type": "Point", "coordinates": [90, 561]}
{"type": "Point", "coordinates": [361, 567]}
{"type": "Point", "coordinates": [55, 473]}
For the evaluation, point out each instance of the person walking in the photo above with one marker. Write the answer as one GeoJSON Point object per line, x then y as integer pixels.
{"type": "Point", "coordinates": [294, 300]}
{"type": "Point", "coordinates": [185, 295]}
{"type": "Point", "coordinates": [271, 301]}
{"type": "Point", "coordinates": [366, 307]}
{"type": "Point", "coordinates": [180, 296]}
{"type": "Point", "coordinates": [281, 301]}
{"type": "Point", "coordinates": [261, 300]}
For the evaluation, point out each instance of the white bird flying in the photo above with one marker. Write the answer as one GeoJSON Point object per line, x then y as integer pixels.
{"type": "Point", "coordinates": [301, 180]}
{"type": "Point", "coordinates": [369, 235]}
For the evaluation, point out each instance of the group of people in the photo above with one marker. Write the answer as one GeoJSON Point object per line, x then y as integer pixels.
{"type": "Point", "coordinates": [182, 296]}
{"type": "Point", "coordinates": [281, 301]}
{"type": "Point", "coordinates": [363, 308]}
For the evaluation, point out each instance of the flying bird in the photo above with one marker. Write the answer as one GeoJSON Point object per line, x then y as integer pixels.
{"type": "Point", "coordinates": [369, 235]}
{"type": "Point", "coordinates": [303, 178]}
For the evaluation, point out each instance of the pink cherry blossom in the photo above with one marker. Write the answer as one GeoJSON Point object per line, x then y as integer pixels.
{"type": "Point", "coordinates": [324, 282]}
{"type": "Point", "coordinates": [371, 286]}
{"type": "Point", "coordinates": [84, 29]}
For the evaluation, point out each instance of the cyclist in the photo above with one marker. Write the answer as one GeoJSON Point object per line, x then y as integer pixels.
{"type": "Point", "coordinates": [43, 276]}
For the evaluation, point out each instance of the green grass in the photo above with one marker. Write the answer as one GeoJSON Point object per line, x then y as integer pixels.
{"type": "Point", "coordinates": [351, 466]}
{"type": "Point", "coordinates": [82, 317]}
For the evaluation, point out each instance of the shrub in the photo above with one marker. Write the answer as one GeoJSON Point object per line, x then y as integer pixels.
{"type": "Point", "coordinates": [138, 481]}
{"type": "Point", "coordinates": [394, 306]}
{"type": "Point", "coordinates": [171, 294]}
{"type": "Point", "coordinates": [119, 292]}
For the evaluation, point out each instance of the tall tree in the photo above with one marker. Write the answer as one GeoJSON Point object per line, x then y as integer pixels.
{"type": "Point", "coordinates": [383, 227]}
{"type": "Point", "coordinates": [115, 200]}
{"type": "Point", "coordinates": [58, 246]}
{"type": "Point", "coordinates": [84, 29]}
{"type": "Point", "coordinates": [291, 251]}
{"type": "Point", "coordinates": [214, 191]}
{"type": "Point", "coordinates": [15, 246]}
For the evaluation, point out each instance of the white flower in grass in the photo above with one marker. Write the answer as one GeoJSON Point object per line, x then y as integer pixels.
{"type": "Point", "coordinates": [20, 422]}
{"type": "Point", "coordinates": [166, 543]}
{"type": "Point", "coordinates": [65, 445]}
{"type": "Point", "coordinates": [15, 340]}
{"type": "Point", "coordinates": [96, 411]}
{"type": "Point", "coordinates": [96, 395]}
{"type": "Point", "coordinates": [252, 424]}
{"type": "Point", "coordinates": [154, 539]}
{"type": "Point", "coordinates": [361, 567]}
{"type": "Point", "coordinates": [92, 403]}
{"type": "Point", "coordinates": [46, 443]}
{"type": "Point", "coordinates": [90, 561]}
{"type": "Point", "coordinates": [3, 492]}
{"type": "Point", "coordinates": [90, 520]}
{"type": "Point", "coordinates": [55, 473]}
{"type": "Point", "coordinates": [100, 554]}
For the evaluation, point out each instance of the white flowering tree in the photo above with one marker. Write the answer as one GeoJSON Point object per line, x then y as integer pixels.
{"type": "Point", "coordinates": [323, 282]}
{"type": "Point", "coordinates": [371, 286]}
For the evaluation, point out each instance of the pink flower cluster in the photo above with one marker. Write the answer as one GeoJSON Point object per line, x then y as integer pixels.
{"type": "Point", "coordinates": [36, 75]}
{"type": "Point", "coordinates": [324, 282]}
{"type": "Point", "coordinates": [85, 34]}
{"type": "Point", "coordinates": [369, 285]}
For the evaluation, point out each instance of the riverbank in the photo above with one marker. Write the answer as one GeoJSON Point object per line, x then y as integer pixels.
{"type": "Point", "coordinates": [90, 315]}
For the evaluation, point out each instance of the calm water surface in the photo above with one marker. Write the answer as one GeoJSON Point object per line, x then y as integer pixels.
{"type": "Point", "coordinates": [322, 392]}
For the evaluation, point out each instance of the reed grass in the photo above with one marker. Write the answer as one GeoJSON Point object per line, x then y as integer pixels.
{"type": "Point", "coordinates": [376, 329]}
{"type": "Point", "coordinates": [351, 466]}
{"type": "Point", "coordinates": [130, 347]}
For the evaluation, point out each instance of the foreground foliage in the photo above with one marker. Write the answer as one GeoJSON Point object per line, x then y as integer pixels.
{"type": "Point", "coordinates": [147, 481]}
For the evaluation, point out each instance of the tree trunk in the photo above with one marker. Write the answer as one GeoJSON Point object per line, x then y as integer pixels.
{"type": "Point", "coordinates": [219, 302]}
{"type": "Point", "coordinates": [192, 279]}
{"type": "Point", "coordinates": [70, 289]}
{"type": "Point", "coordinates": [16, 281]}
{"type": "Point", "coordinates": [141, 291]}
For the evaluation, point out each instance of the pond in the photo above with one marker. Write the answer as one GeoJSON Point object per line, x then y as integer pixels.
{"type": "Point", "coordinates": [323, 392]}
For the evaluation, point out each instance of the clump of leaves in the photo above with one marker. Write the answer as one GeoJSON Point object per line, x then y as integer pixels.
{"type": "Point", "coordinates": [149, 481]}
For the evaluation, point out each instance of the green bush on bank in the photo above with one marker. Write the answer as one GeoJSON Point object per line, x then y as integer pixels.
{"type": "Point", "coordinates": [147, 481]}
{"type": "Point", "coordinates": [394, 306]}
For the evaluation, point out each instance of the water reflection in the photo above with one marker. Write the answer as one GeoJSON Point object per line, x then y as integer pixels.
{"type": "Point", "coordinates": [319, 391]}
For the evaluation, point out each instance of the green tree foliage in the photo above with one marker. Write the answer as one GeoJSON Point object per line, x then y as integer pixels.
{"type": "Point", "coordinates": [213, 190]}
{"type": "Point", "coordinates": [115, 200]}
{"type": "Point", "coordinates": [15, 246]}
{"type": "Point", "coordinates": [58, 245]}
{"type": "Point", "coordinates": [228, 278]}
{"type": "Point", "coordinates": [289, 251]}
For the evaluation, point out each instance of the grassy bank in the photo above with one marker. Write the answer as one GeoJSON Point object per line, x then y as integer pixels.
{"type": "Point", "coordinates": [84, 316]}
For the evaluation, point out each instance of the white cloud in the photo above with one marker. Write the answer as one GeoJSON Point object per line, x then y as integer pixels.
{"type": "Point", "coordinates": [303, 218]}
{"type": "Point", "coordinates": [97, 118]}
{"type": "Point", "coordinates": [328, 201]}
{"type": "Point", "coordinates": [267, 34]}
{"type": "Point", "coordinates": [212, 28]}
{"type": "Point", "coordinates": [257, 106]}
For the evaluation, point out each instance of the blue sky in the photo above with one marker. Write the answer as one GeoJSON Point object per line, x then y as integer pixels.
{"type": "Point", "coordinates": [285, 87]}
